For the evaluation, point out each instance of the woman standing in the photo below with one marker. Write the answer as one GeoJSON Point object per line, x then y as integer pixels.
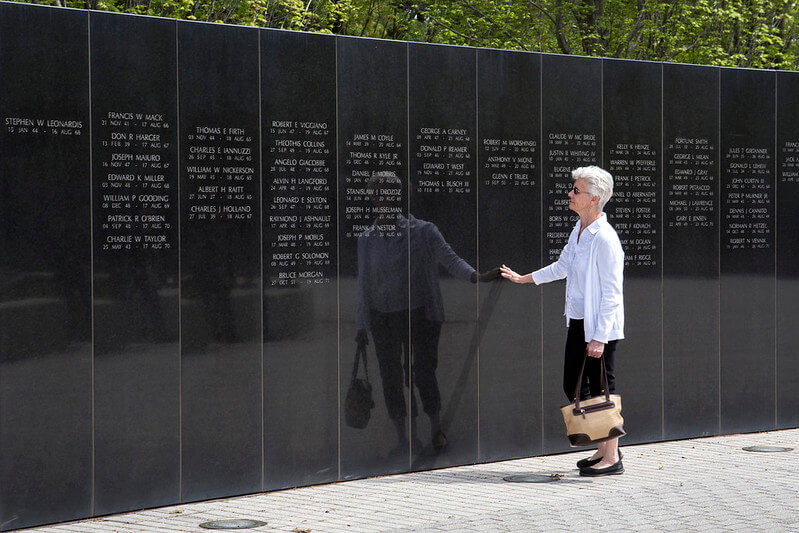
{"type": "Point", "coordinates": [593, 264]}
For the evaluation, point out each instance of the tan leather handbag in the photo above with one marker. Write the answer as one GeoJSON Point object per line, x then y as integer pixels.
{"type": "Point", "coordinates": [596, 419]}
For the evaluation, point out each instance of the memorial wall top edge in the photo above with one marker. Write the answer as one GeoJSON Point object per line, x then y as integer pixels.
{"type": "Point", "coordinates": [3, 2]}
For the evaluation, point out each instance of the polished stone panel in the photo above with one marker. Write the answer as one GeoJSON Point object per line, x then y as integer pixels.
{"type": "Point", "coordinates": [787, 188]}
{"type": "Point", "coordinates": [300, 300]}
{"type": "Point", "coordinates": [632, 154]}
{"type": "Point", "coordinates": [690, 222]}
{"type": "Point", "coordinates": [373, 250]}
{"type": "Point", "coordinates": [45, 297]}
{"type": "Point", "coordinates": [443, 252]}
{"type": "Point", "coordinates": [134, 184]}
{"type": "Point", "coordinates": [220, 261]}
{"type": "Point", "coordinates": [571, 93]}
{"type": "Point", "coordinates": [509, 188]}
{"type": "Point", "coordinates": [747, 250]}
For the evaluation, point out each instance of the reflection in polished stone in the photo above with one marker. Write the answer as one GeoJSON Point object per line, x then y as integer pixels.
{"type": "Point", "coordinates": [407, 352]}
{"type": "Point", "coordinates": [197, 232]}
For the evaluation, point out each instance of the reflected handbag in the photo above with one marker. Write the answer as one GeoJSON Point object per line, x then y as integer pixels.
{"type": "Point", "coordinates": [359, 404]}
{"type": "Point", "coordinates": [596, 419]}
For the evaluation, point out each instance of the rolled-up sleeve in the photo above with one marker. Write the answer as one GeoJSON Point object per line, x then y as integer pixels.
{"type": "Point", "coordinates": [610, 267]}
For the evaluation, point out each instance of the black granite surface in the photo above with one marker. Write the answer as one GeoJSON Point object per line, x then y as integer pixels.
{"type": "Point", "coordinates": [691, 208]}
{"type": "Point", "coordinates": [747, 250]}
{"type": "Point", "coordinates": [787, 194]}
{"type": "Point", "coordinates": [45, 294]}
{"type": "Point", "coordinates": [300, 278]}
{"type": "Point", "coordinates": [372, 137]}
{"type": "Point", "coordinates": [509, 188]}
{"type": "Point", "coordinates": [195, 242]}
{"type": "Point", "coordinates": [134, 186]}
{"type": "Point", "coordinates": [632, 153]}
{"type": "Point", "coordinates": [220, 261]}
{"type": "Point", "coordinates": [571, 111]}
{"type": "Point", "coordinates": [443, 192]}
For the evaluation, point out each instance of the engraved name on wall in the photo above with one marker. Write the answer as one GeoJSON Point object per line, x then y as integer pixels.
{"type": "Point", "coordinates": [300, 212]}
{"type": "Point", "coordinates": [136, 196]}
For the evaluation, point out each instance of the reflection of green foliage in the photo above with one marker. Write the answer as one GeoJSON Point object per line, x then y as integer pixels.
{"type": "Point", "coordinates": [747, 33]}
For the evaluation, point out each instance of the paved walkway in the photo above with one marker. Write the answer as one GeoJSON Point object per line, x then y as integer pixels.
{"type": "Point", "coordinates": [705, 484]}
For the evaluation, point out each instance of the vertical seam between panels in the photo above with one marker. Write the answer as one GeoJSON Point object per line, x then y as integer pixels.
{"type": "Point", "coordinates": [180, 284]}
{"type": "Point", "coordinates": [476, 137]}
{"type": "Point", "coordinates": [408, 203]}
{"type": "Point", "coordinates": [718, 247]}
{"type": "Point", "coordinates": [338, 279]}
{"type": "Point", "coordinates": [662, 257]}
{"type": "Point", "coordinates": [541, 250]}
{"type": "Point", "coordinates": [775, 196]}
{"type": "Point", "coordinates": [261, 243]}
{"type": "Point", "coordinates": [91, 254]}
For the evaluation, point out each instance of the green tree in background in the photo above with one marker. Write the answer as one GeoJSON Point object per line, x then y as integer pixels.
{"type": "Point", "coordinates": [745, 33]}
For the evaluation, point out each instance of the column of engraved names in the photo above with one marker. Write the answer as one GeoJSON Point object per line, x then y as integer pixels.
{"type": "Point", "coordinates": [749, 199]}
{"type": "Point", "coordinates": [221, 172]}
{"type": "Point", "coordinates": [690, 184]}
{"type": "Point", "coordinates": [634, 167]}
{"type": "Point", "coordinates": [789, 167]}
{"type": "Point", "coordinates": [364, 154]}
{"type": "Point", "coordinates": [136, 195]}
{"type": "Point", "coordinates": [509, 162]}
{"type": "Point", "coordinates": [443, 161]}
{"type": "Point", "coordinates": [565, 152]}
{"type": "Point", "coordinates": [299, 219]}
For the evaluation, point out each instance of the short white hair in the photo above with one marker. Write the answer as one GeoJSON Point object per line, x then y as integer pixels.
{"type": "Point", "coordinates": [600, 182]}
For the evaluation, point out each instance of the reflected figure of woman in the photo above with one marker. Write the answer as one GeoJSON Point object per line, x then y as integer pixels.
{"type": "Point", "coordinates": [593, 264]}
{"type": "Point", "coordinates": [398, 289]}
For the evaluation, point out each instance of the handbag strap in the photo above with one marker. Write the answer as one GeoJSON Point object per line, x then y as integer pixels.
{"type": "Point", "coordinates": [360, 352]}
{"type": "Point", "coordinates": [603, 381]}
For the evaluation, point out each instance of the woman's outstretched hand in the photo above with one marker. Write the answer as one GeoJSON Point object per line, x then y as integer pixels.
{"type": "Point", "coordinates": [507, 273]}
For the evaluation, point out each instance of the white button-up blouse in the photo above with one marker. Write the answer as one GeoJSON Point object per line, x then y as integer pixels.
{"type": "Point", "coordinates": [594, 272]}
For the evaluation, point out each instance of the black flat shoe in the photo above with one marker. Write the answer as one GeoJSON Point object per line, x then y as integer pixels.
{"type": "Point", "coordinates": [612, 470]}
{"type": "Point", "coordinates": [587, 463]}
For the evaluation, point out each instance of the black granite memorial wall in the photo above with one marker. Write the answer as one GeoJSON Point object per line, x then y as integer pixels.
{"type": "Point", "coordinates": [373, 265]}
{"type": "Point", "coordinates": [300, 291]}
{"type": "Point", "coordinates": [201, 223]}
{"type": "Point", "coordinates": [690, 207]}
{"type": "Point", "coordinates": [508, 181]}
{"type": "Point", "coordinates": [443, 196]}
{"type": "Point", "coordinates": [747, 250]}
{"type": "Point", "coordinates": [137, 370]}
{"type": "Point", "coordinates": [46, 387]}
{"type": "Point", "coordinates": [571, 111]}
{"type": "Point", "coordinates": [786, 191]}
{"type": "Point", "coordinates": [632, 154]}
{"type": "Point", "coordinates": [220, 261]}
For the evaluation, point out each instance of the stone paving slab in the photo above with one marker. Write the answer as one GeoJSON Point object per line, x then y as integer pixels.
{"type": "Point", "coordinates": [707, 484]}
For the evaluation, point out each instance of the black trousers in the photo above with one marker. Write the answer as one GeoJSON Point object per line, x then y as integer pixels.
{"type": "Point", "coordinates": [391, 337]}
{"type": "Point", "coordinates": [575, 353]}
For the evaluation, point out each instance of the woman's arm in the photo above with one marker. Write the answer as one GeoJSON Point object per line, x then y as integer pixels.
{"type": "Point", "coordinates": [507, 273]}
{"type": "Point", "coordinates": [553, 272]}
{"type": "Point", "coordinates": [610, 267]}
